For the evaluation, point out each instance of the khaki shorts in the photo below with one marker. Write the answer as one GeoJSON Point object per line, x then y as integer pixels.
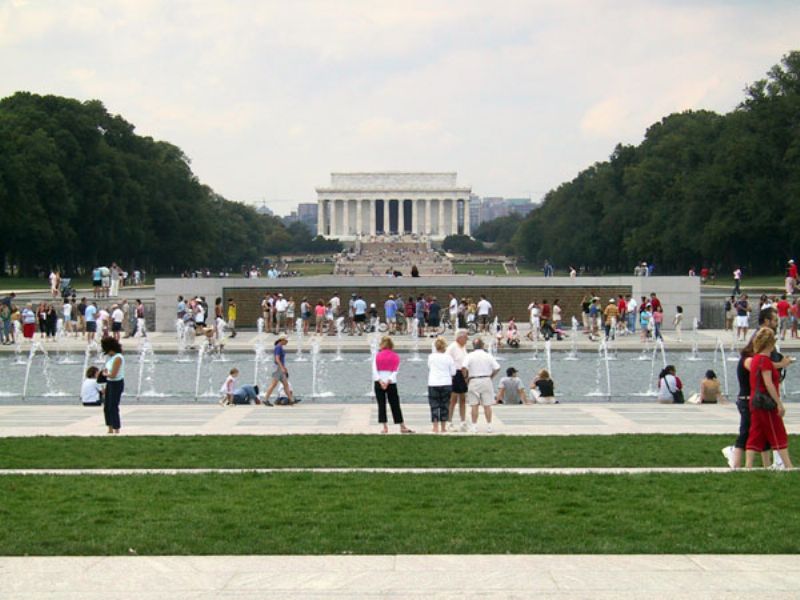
{"type": "Point", "coordinates": [480, 392]}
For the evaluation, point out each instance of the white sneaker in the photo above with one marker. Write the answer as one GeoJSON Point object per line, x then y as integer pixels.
{"type": "Point", "coordinates": [777, 461]}
{"type": "Point", "coordinates": [488, 429]}
{"type": "Point", "coordinates": [464, 426]}
{"type": "Point", "coordinates": [727, 452]}
{"type": "Point", "coordinates": [473, 429]}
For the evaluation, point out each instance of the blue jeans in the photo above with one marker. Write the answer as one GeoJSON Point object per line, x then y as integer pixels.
{"type": "Point", "coordinates": [632, 322]}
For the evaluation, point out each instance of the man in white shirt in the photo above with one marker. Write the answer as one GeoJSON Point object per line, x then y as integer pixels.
{"type": "Point", "coordinates": [452, 310]}
{"type": "Point", "coordinates": [281, 304]}
{"type": "Point", "coordinates": [484, 313]}
{"type": "Point", "coordinates": [458, 352]}
{"type": "Point", "coordinates": [117, 316]}
{"type": "Point", "coordinates": [335, 303]}
{"type": "Point", "coordinates": [631, 312]}
{"type": "Point", "coordinates": [535, 312]}
{"type": "Point", "coordinates": [481, 367]}
{"type": "Point", "coordinates": [67, 312]}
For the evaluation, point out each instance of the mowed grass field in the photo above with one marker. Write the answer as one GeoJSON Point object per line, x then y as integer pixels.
{"type": "Point", "coordinates": [310, 451]}
{"type": "Point", "coordinates": [377, 513]}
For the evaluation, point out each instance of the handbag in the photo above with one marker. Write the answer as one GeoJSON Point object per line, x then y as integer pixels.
{"type": "Point", "coordinates": [762, 400]}
{"type": "Point", "coordinates": [677, 395]}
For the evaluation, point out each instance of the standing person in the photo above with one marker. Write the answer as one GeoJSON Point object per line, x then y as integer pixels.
{"type": "Point", "coordinates": [5, 324]}
{"type": "Point", "coordinates": [737, 281]}
{"type": "Point", "coordinates": [484, 313]}
{"type": "Point", "coordinates": [791, 278]}
{"type": "Point", "coordinates": [305, 314]}
{"type": "Point", "coordinates": [419, 315]}
{"type": "Point", "coordinates": [535, 320]}
{"type": "Point", "coordinates": [631, 313]}
{"type": "Point", "coordinates": [319, 316]}
{"type": "Point", "coordinates": [677, 322]}
{"type": "Point", "coordinates": [290, 310]}
{"type": "Point", "coordinates": [410, 309]}
{"type": "Point", "coordinates": [55, 282]}
{"type": "Point", "coordinates": [114, 373]}
{"type": "Point", "coordinates": [115, 275]}
{"type": "Point", "coordinates": [360, 314]}
{"type": "Point", "coordinates": [511, 390]}
{"type": "Point", "coordinates": [783, 307]}
{"type": "Point", "coordinates": [141, 330]}
{"type": "Point", "coordinates": [281, 306]}
{"type": "Point", "coordinates": [28, 321]}
{"type": "Point", "coordinates": [452, 311]}
{"type": "Point", "coordinates": [611, 314]}
{"type": "Point", "coordinates": [730, 313]}
{"type": "Point", "coordinates": [105, 277]}
{"type": "Point", "coordinates": [66, 311]}
{"type": "Point", "coordinates": [90, 315]}
{"type": "Point", "coordinates": [556, 315]}
{"type": "Point", "coordinates": [481, 367]}
{"type": "Point", "coordinates": [97, 282]}
{"type": "Point", "coordinates": [658, 321]}
{"type": "Point", "coordinates": [441, 370]}
{"type": "Point", "coordinates": [335, 303]}
{"type": "Point", "coordinates": [232, 317]}
{"type": "Point", "coordinates": [117, 316]}
{"type": "Point", "coordinates": [586, 305]}
{"type": "Point", "coordinates": [280, 374]}
{"type": "Point", "coordinates": [766, 422]}
{"type": "Point", "coordinates": [434, 314]}
{"type": "Point", "coordinates": [51, 322]}
{"type": "Point", "coordinates": [742, 308]}
{"type": "Point", "coordinates": [390, 313]}
{"type": "Point", "coordinates": [384, 375]}
{"type": "Point", "coordinates": [400, 313]}
{"type": "Point", "coordinates": [127, 319]}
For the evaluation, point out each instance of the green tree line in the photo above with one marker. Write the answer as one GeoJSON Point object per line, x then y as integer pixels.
{"type": "Point", "coordinates": [701, 189]}
{"type": "Point", "coordinates": [79, 188]}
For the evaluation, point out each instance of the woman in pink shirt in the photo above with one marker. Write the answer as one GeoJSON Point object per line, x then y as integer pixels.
{"type": "Point", "coordinates": [384, 374]}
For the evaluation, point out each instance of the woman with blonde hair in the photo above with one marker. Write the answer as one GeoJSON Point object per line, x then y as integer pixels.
{"type": "Point", "coordinates": [766, 407]}
{"type": "Point", "coordinates": [441, 370]}
{"type": "Point", "coordinates": [384, 374]}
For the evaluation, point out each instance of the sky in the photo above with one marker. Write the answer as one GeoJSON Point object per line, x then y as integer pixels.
{"type": "Point", "coordinates": [268, 98]}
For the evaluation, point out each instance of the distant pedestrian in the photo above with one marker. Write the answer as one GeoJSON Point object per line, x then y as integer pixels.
{"type": "Point", "coordinates": [737, 281]}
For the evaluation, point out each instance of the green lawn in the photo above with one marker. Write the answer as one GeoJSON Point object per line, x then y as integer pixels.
{"type": "Point", "coordinates": [766, 281]}
{"type": "Point", "coordinates": [365, 451]}
{"type": "Point", "coordinates": [479, 268]}
{"type": "Point", "coordinates": [398, 514]}
{"type": "Point", "coordinates": [312, 268]}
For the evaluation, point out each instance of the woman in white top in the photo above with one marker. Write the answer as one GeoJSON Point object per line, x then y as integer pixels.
{"type": "Point", "coordinates": [668, 385]}
{"type": "Point", "coordinates": [441, 370]}
{"type": "Point", "coordinates": [114, 373]}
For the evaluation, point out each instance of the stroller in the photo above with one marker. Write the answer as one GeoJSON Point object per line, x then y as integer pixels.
{"type": "Point", "coordinates": [67, 290]}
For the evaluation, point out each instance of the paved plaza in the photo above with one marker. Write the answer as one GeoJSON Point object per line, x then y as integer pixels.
{"type": "Point", "coordinates": [450, 577]}
{"type": "Point", "coordinates": [308, 418]}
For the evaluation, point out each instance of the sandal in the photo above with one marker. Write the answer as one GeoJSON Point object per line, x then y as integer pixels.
{"type": "Point", "coordinates": [406, 430]}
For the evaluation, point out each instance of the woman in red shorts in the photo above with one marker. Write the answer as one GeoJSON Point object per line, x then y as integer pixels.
{"type": "Point", "coordinates": [766, 425]}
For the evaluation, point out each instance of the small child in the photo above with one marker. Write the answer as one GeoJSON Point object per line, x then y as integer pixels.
{"type": "Point", "coordinates": [283, 395]}
{"type": "Point", "coordinates": [91, 391]}
{"type": "Point", "coordinates": [678, 322]}
{"type": "Point", "coordinates": [543, 388]}
{"type": "Point", "coordinates": [228, 387]}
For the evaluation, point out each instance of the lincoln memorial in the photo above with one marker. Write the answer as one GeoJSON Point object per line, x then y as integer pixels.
{"type": "Point", "coordinates": [356, 205]}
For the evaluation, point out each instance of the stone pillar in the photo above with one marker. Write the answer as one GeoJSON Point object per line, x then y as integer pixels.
{"type": "Point", "coordinates": [454, 215]}
{"type": "Point", "coordinates": [359, 218]}
{"type": "Point", "coordinates": [466, 217]}
{"type": "Point", "coordinates": [373, 216]}
{"type": "Point", "coordinates": [428, 229]}
{"type": "Point", "coordinates": [413, 216]}
{"type": "Point", "coordinates": [401, 217]}
{"type": "Point", "coordinates": [440, 224]}
{"type": "Point", "coordinates": [334, 222]}
{"type": "Point", "coordinates": [321, 217]}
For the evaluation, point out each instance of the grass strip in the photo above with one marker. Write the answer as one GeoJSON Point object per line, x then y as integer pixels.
{"type": "Point", "coordinates": [364, 451]}
{"type": "Point", "coordinates": [387, 514]}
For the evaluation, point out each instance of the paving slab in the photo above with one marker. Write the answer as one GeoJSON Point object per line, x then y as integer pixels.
{"type": "Point", "coordinates": [441, 577]}
{"type": "Point", "coordinates": [307, 418]}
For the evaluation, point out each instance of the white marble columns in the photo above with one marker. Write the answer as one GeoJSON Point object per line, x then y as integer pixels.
{"type": "Point", "coordinates": [436, 217]}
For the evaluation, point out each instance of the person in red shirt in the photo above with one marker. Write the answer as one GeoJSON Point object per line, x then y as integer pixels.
{"type": "Point", "coordinates": [622, 306]}
{"type": "Point", "coordinates": [655, 302]}
{"type": "Point", "coordinates": [703, 274]}
{"type": "Point", "coordinates": [783, 307]}
{"type": "Point", "coordinates": [765, 425]}
{"type": "Point", "coordinates": [791, 277]}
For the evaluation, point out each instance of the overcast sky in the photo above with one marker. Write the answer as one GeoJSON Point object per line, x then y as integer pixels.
{"type": "Point", "coordinates": [267, 98]}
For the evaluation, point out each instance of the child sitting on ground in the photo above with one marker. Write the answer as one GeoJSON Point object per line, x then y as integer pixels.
{"type": "Point", "coordinates": [283, 395]}
{"type": "Point", "coordinates": [543, 388]}
{"type": "Point", "coordinates": [91, 391]}
{"type": "Point", "coordinates": [228, 387]}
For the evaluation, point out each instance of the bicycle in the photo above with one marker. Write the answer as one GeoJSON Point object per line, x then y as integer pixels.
{"type": "Point", "coordinates": [446, 325]}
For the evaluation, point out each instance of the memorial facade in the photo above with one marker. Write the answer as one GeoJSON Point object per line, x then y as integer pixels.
{"type": "Point", "coordinates": [359, 205]}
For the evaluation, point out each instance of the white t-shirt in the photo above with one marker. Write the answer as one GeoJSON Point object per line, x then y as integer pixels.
{"type": "Point", "coordinates": [335, 303]}
{"type": "Point", "coordinates": [441, 369]}
{"type": "Point", "coordinates": [556, 313]}
{"type": "Point", "coordinates": [533, 308]}
{"type": "Point", "coordinates": [480, 363]}
{"type": "Point", "coordinates": [630, 306]}
{"type": "Point", "coordinates": [117, 315]}
{"type": "Point", "coordinates": [484, 307]}
{"type": "Point", "coordinates": [102, 316]}
{"type": "Point", "coordinates": [67, 311]}
{"type": "Point", "coordinates": [453, 306]}
{"type": "Point", "coordinates": [229, 385]}
{"type": "Point", "coordinates": [664, 392]}
{"type": "Point", "coordinates": [458, 353]}
{"type": "Point", "coordinates": [90, 391]}
{"type": "Point", "coordinates": [281, 304]}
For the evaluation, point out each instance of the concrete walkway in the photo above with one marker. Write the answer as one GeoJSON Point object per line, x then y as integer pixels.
{"type": "Point", "coordinates": [405, 577]}
{"type": "Point", "coordinates": [308, 418]}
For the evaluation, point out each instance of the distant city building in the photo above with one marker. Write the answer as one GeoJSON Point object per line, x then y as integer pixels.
{"type": "Point", "coordinates": [307, 213]}
{"type": "Point", "coordinates": [263, 209]}
{"type": "Point", "coordinates": [489, 208]}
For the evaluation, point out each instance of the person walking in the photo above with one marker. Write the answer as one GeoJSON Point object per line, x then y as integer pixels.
{"type": "Point", "coordinates": [280, 373]}
{"type": "Point", "coordinates": [766, 406]}
{"type": "Point", "coordinates": [737, 281]}
{"type": "Point", "coordinates": [441, 370]}
{"type": "Point", "coordinates": [232, 317]}
{"type": "Point", "coordinates": [114, 374]}
{"type": "Point", "coordinates": [481, 367]}
{"type": "Point", "coordinates": [384, 375]}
